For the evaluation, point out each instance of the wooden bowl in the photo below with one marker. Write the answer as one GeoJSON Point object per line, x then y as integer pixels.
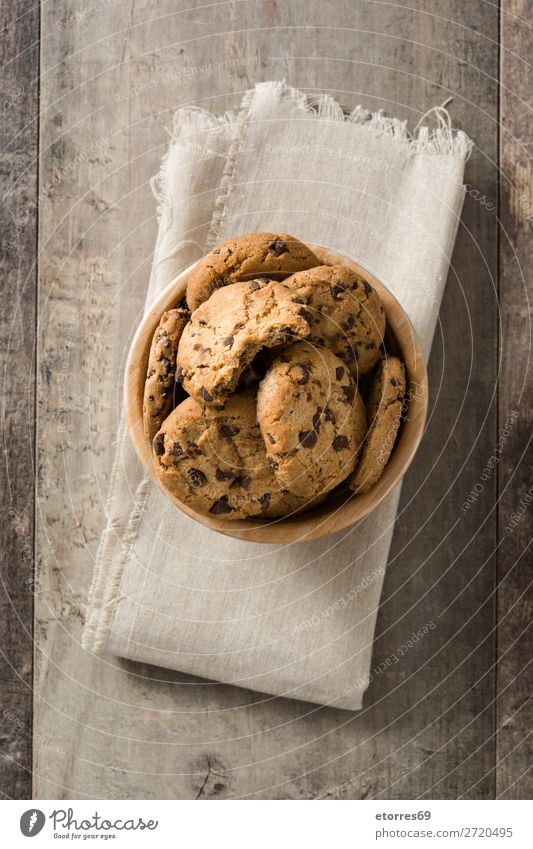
{"type": "Point", "coordinates": [339, 510]}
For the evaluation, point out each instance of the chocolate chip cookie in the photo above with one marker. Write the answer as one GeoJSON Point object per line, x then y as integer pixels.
{"type": "Point", "coordinates": [312, 419]}
{"type": "Point", "coordinates": [227, 331]}
{"type": "Point", "coordinates": [345, 313]}
{"type": "Point", "coordinates": [215, 461]}
{"type": "Point", "coordinates": [159, 388]}
{"type": "Point", "coordinates": [384, 410]}
{"type": "Point", "coordinates": [253, 254]}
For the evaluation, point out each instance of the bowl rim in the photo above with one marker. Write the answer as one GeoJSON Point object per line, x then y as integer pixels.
{"type": "Point", "coordinates": [322, 520]}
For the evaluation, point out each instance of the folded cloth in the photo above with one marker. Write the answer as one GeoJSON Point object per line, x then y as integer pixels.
{"type": "Point", "coordinates": [295, 620]}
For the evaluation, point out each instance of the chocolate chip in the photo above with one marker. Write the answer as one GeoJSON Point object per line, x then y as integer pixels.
{"type": "Point", "coordinates": [351, 352]}
{"type": "Point", "coordinates": [349, 391]}
{"type": "Point", "coordinates": [349, 323]}
{"type": "Point", "coordinates": [196, 477]}
{"type": "Point", "coordinates": [272, 463]}
{"type": "Point", "coordinates": [298, 301]}
{"type": "Point", "coordinates": [197, 346]}
{"type": "Point", "coordinates": [254, 285]}
{"type": "Point", "coordinates": [328, 415]}
{"type": "Point", "coordinates": [339, 372]}
{"type": "Point", "coordinates": [367, 288]}
{"type": "Point", "coordinates": [271, 439]}
{"type": "Point", "coordinates": [202, 321]}
{"type": "Point", "coordinates": [176, 450]}
{"type": "Point", "coordinates": [193, 448]}
{"type": "Point", "coordinates": [279, 247]}
{"type": "Point", "coordinates": [394, 381]}
{"type": "Point", "coordinates": [243, 481]}
{"type": "Point", "coordinates": [316, 420]}
{"type": "Point", "coordinates": [215, 251]}
{"type": "Point", "coordinates": [159, 443]}
{"type": "Point", "coordinates": [180, 374]}
{"type": "Point", "coordinates": [221, 506]}
{"type": "Point", "coordinates": [337, 290]}
{"type": "Point", "coordinates": [307, 438]}
{"type": "Point", "coordinates": [305, 374]}
{"type": "Point", "coordinates": [264, 500]}
{"type": "Point", "coordinates": [228, 342]}
{"type": "Point", "coordinates": [288, 333]}
{"type": "Point", "coordinates": [308, 317]}
{"type": "Point", "coordinates": [205, 394]}
{"type": "Point", "coordinates": [220, 282]}
{"type": "Point", "coordinates": [248, 378]}
{"type": "Point", "coordinates": [222, 475]}
{"type": "Point", "coordinates": [340, 443]}
{"type": "Point", "coordinates": [228, 430]}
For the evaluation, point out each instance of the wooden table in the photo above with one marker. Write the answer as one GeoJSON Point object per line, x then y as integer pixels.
{"type": "Point", "coordinates": [88, 90]}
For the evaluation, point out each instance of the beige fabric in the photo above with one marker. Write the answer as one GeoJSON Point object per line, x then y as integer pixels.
{"type": "Point", "coordinates": [296, 620]}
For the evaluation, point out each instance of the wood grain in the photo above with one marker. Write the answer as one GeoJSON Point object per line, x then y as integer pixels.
{"type": "Point", "coordinates": [515, 485]}
{"type": "Point", "coordinates": [109, 84]}
{"type": "Point", "coordinates": [18, 227]}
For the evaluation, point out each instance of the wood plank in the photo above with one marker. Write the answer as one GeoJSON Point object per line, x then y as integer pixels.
{"type": "Point", "coordinates": [433, 708]}
{"type": "Point", "coordinates": [109, 85]}
{"type": "Point", "coordinates": [18, 243]}
{"type": "Point", "coordinates": [515, 638]}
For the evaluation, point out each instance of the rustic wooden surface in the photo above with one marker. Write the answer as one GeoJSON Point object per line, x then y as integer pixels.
{"type": "Point", "coordinates": [515, 485]}
{"type": "Point", "coordinates": [450, 718]}
{"type": "Point", "coordinates": [19, 50]}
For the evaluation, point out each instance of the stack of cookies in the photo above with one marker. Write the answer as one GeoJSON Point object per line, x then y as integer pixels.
{"type": "Point", "coordinates": [268, 386]}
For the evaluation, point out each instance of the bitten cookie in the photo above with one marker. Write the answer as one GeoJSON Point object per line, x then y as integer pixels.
{"type": "Point", "coordinates": [345, 313]}
{"type": "Point", "coordinates": [312, 419]}
{"type": "Point", "coordinates": [255, 253]}
{"type": "Point", "coordinates": [227, 331]}
{"type": "Point", "coordinates": [384, 409]}
{"type": "Point", "coordinates": [159, 387]}
{"type": "Point", "coordinates": [215, 461]}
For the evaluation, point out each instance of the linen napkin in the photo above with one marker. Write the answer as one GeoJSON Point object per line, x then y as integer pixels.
{"type": "Point", "coordinates": [287, 620]}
